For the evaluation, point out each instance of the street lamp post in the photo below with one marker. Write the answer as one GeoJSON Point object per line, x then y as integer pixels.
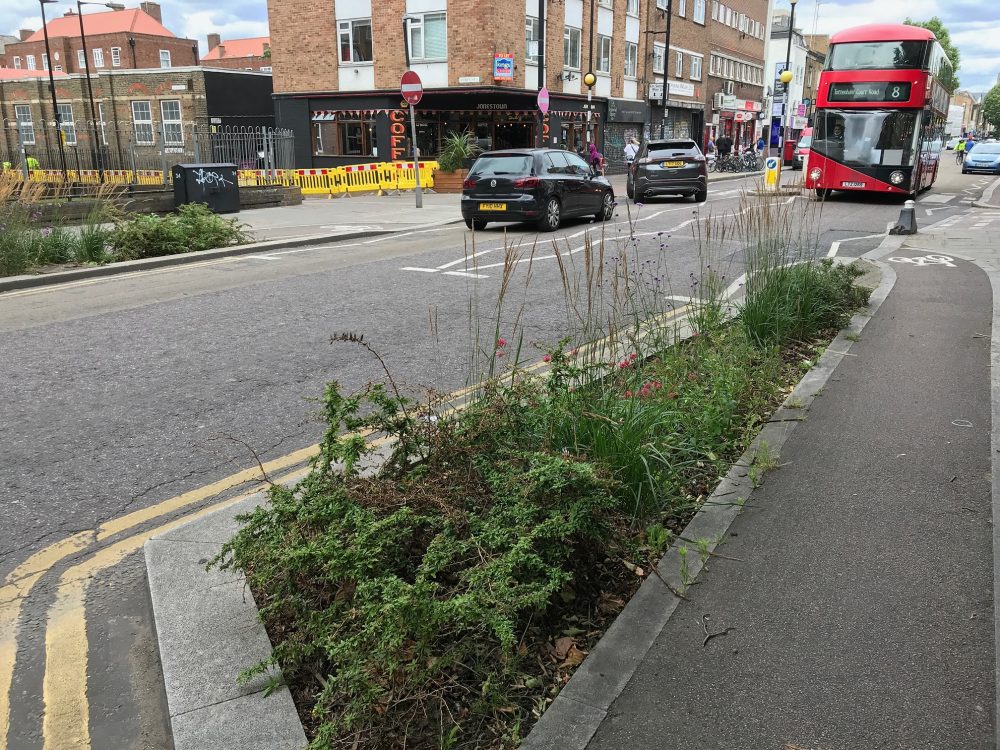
{"type": "Point", "coordinates": [786, 79]}
{"type": "Point", "coordinates": [666, 72]}
{"type": "Point", "coordinates": [52, 90]}
{"type": "Point", "coordinates": [590, 79]}
{"type": "Point", "coordinates": [90, 88]}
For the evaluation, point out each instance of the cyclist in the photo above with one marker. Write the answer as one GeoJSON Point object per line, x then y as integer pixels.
{"type": "Point", "coordinates": [960, 151]}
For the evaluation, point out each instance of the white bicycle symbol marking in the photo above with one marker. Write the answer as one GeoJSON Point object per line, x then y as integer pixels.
{"type": "Point", "coordinates": [927, 260]}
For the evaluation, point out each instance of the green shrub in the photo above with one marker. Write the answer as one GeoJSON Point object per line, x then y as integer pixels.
{"type": "Point", "coordinates": [193, 229]}
{"type": "Point", "coordinates": [786, 303]}
{"type": "Point", "coordinates": [457, 148]}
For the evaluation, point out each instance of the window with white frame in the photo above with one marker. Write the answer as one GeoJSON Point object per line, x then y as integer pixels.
{"type": "Point", "coordinates": [67, 124]}
{"type": "Point", "coordinates": [632, 7]}
{"type": "Point", "coordinates": [101, 122]}
{"type": "Point", "coordinates": [17, 62]}
{"type": "Point", "coordinates": [662, 4]}
{"type": "Point", "coordinates": [606, 3]}
{"type": "Point", "coordinates": [429, 37]}
{"type": "Point", "coordinates": [355, 39]}
{"type": "Point", "coordinates": [164, 58]}
{"type": "Point", "coordinates": [25, 125]}
{"type": "Point", "coordinates": [603, 54]}
{"type": "Point", "coordinates": [116, 57]}
{"type": "Point", "coordinates": [45, 61]}
{"type": "Point", "coordinates": [81, 59]}
{"type": "Point", "coordinates": [170, 116]}
{"type": "Point", "coordinates": [682, 8]}
{"type": "Point", "coordinates": [531, 39]}
{"type": "Point", "coordinates": [98, 57]}
{"type": "Point", "coordinates": [696, 63]}
{"type": "Point", "coordinates": [715, 10]}
{"type": "Point", "coordinates": [142, 120]}
{"type": "Point", "coordinates": [658, 56]}
{"type": "Point", "coordinates": [699, 11]}
{"type": "Point", "coordinates": [31, 62]}
{"type": "Point", "coordinates": [631, 59]}
{"type": "Point", "coordinates": [679, 64]}
{"type": "Point", "coordinates": [571, 47]}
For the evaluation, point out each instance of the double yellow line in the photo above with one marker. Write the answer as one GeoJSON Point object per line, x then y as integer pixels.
{"type": "Point", "coordinates": [65, 724]}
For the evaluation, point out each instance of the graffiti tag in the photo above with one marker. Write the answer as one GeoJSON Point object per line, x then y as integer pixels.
{"type": "Point", "coordinates": [214, 179]}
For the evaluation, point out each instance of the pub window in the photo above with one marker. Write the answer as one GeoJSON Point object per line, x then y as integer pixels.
{"type": "Point", "coordinates": [116, 57]}
{"type": "Point", "coordinates": [631, 59]}
{"type": "Point", "coordinates": [31, 62]}
{"type": "Point", "coordinates": [571, 47]}
{"type": "Point", "coordinates": [356, 41]}
{"type": "Point", "coordinates": [25, 125]}
{"type": "Point", "coordinates": [45, 61]}
{"type": "Point", "coordinates": [67, 124]}
{"type": "Point", "coordinates": [17, 62]}
{"type": "Point", "coordinates": [344, 138]}
{"type": "Point", "coordinates": [98, 57]}
{"type": "Point", "coordinates": [603, 54]}
{"type": "Point", "coordinates": [173, 129]}
{"type": "Point", "coordinates": [531, 38]}
{"type": "Point", "coordinates": [142, 120]}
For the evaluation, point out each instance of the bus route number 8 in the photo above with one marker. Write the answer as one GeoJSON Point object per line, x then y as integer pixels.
{"type": "Point", "coordinates": [896, 93]}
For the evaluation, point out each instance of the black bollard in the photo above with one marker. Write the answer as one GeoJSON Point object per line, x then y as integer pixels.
{"type": "Point", "coordinates": [907, 223]}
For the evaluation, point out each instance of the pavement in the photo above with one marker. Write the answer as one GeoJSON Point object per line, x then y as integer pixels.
{"type": "Point", "coordinates": [852, 602]}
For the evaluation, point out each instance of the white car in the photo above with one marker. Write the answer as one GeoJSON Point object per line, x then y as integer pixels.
{"type": "Point", "coordinates": [950, 145]}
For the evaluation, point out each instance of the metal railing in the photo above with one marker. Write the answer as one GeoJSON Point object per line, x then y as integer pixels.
{"type": "Point", "coordinates": [126, 153]}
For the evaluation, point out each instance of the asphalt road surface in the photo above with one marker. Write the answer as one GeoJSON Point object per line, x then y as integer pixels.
{"type": "Point", "coordinates": [133, 400]}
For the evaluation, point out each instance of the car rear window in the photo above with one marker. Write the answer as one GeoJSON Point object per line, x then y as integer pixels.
{"type": "Point", "coordinates": [659, 149]}
{"type": "Point", "coordinates": [805, 141]}
{"type": "Point", "coordinates": [502, 164]}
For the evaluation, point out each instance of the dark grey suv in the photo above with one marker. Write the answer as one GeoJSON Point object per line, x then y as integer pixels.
{"type": "Point", "coordinates": [670, 166]}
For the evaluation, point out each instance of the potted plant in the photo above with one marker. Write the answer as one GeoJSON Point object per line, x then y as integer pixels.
{"type": "Point", "coordinates": [457, 153]}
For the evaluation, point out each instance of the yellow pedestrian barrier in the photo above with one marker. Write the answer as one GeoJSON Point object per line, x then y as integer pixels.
{"type": "Point", "coordinates": [362, 178]}
{"type": "Point", "coordinates": [312, 181]}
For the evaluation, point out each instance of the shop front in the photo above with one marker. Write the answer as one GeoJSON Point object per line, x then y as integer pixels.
{"type": "Point", "coordinates": [739, 120]}
{"type": "Point", "coordinates": [376, 127]}
{"type": "Point", "coordinates": [627, 119]}
{"type": "Point", "coordinates": [683, 119]}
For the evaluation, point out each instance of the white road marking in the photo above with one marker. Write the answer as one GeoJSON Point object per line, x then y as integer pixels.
{"type": "Point", "coordinates": [424, 270]}
{"type": "Point", "coordinates": [463, 273]}
{"type": "Point", "coordinates": [926, 260]}
{"type": "Point", "coordinates": [835, 247]}
{"type": "Point", "coordinates": [938, 198]}
{"type": "Point", "coordinates": [261, 257]}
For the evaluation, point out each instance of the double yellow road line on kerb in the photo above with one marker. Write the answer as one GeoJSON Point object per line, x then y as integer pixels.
{"type": "Point", "coordinates": [66, 717]}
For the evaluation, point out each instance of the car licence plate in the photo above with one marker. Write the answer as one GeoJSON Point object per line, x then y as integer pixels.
{"type": "Point", "coordinates": [492, 206]}
{"type": "Point", "coordinates": [853, 184]}
{"type": "Point", "coordinates": [671, 164]}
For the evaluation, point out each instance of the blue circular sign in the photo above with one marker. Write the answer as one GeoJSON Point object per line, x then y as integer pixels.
{"type": "Point", "coordinates": [772, 162]}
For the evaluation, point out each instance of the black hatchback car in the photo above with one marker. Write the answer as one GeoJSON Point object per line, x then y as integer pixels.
{"type": "Point", "coordinates": [671, 166]}
{"type": "Point", "coordinates": [539, 185]}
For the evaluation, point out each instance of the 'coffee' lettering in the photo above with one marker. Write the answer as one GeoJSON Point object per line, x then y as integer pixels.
{"type": "Point", "coordinates": [397, 134]}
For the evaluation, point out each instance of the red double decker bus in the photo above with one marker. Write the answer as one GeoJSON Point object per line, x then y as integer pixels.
{"type": "Point", "coordinates": [880, 112]}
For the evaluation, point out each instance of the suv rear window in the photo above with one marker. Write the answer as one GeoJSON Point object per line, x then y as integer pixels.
{"type": "Point", "coordinates": [660, 149]}
{"type": "Point", "coordinates": [502, 164]}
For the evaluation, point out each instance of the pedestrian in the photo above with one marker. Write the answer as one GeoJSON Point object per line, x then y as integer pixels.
{"type": "Point", "coordinates": [631, 149]}
{"type": "Point", "coordinates": [969, 143]}
{"type": "Point", "coordinates": [760, 144]}
{"type": "Point", "coordinates": [710, 146]}
{"type": "Point", "coordinates": [595, 158]}
{"type": "Point", "coordinates": [725, 146]}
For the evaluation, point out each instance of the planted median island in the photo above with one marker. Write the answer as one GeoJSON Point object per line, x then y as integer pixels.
{"type": "Point", "coordinates": [442, 595]}
{"type": "Point", "coordinates": [32, 243]}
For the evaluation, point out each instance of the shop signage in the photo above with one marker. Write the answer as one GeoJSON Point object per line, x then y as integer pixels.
{"type": "Point", "coordinates": [748, 106]}
{"type": "Point", "coordinates": [800, 122]}
{"type": "Point", "coordinates": [777, 109]}
{"type": "Point", "coordinates": [486, 105]}
{"type": "Point", "coordinates": [503, 67]}
{"type": "Point", "coordinates": [411, 87]}
{"type": "Point", "coordinates": [729, 102]}
{"type": "Point", "coordinates": [800, 110]}
{"type": "Point", "coordinates": [627, 110]}
{"type": "Point", "coordinates": [677, 88]}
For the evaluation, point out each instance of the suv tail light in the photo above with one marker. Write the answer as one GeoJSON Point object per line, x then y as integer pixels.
{"type": "Point", "coordinates": [469, 182]}
{"type": "Point", "coordinates": [527, 182]}
{"type": "Point", "coordinates": [644, 160]}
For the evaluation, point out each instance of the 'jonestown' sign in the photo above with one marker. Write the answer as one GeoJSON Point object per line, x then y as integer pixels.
{"type": "Point", "coordinates": [880, 91]}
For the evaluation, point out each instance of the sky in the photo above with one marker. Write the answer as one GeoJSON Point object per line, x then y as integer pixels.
{"type": "Point", "coordinates": [974, 24]}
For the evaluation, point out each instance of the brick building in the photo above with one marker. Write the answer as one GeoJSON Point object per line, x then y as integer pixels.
{"type": "Point", "coordinates": [337, 74]}
{"type": "Point", "coordinates": [143, 117]}
{"type": "Point", "coordinates": [778, 48]}
{"type": "Point", "coordinates": [132, 38]}
{"type": "Point", "coordinates": [238, 54]}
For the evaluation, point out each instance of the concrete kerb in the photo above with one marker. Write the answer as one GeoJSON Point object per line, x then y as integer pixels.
{"type": "Point", "coordinates": [987, 197]}
{"type": "Point", "coordinates": [130, 266]}
{"type": "Point", "coordinates": [576, 713]}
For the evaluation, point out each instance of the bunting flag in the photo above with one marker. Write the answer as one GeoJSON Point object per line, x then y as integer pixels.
{"type": "Point", "coordinates": [332, 115]}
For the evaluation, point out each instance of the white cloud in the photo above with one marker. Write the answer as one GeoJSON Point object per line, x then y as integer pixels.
{"type": "Point", "coordinates": [199, 24]}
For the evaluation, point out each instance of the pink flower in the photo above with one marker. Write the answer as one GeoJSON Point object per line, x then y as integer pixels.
{"type": "Point", "coordinates": [547, 358]}
{"type": "Point", "coordinates": [501, 343]}
{"type": "Point", "coordinates": [624, 365]}
{"type": "Point", "coordinates": [628, 394]}
{"type": "Point", "coordinates": [633, 357]}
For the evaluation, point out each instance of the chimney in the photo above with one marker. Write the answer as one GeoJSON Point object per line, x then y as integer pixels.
{"type": "Point", "coordinates": [213, 41]}
{"type": "Point", "coordinates": [222, 50]}
{"type": "Point", "coordinates": [152, 9]}
{"type": "Point", "coordinates": [116, 6]}
{"type": "Point", "coordinates": [24, 34]}
{"type": "Point", "coordinates": [69, 13]}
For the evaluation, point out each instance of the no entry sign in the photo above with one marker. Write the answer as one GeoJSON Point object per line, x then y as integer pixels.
{"type": "Point", "coordinates": [543, 100]}
{"type": "Point", "coordinates": [411, 87]}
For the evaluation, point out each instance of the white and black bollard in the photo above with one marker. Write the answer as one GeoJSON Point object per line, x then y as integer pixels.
{"type": "Point", "coordinates": [907, 223]}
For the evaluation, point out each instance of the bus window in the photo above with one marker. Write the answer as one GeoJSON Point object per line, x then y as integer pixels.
{"type": "Point", "coordinates": [877, 55]}
{"type": "Point", "coordinates": [867, 138]}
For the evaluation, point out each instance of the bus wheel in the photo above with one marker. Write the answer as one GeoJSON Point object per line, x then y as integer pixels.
{"type": "Point", "coordinates": [823, 193]}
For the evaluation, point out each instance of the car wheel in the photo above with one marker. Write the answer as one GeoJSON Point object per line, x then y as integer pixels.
{"type": "Point", "coordinates": [639, 197]}
{"type": "Point", "coordinates": [607, 207]}
{"type": "Point", "coordinates": [965, 171]}
{"type": "Point", "coordinates": [551, 216]}
{"type": "Point", "coordinates": [629, 190]}
{"type": "Point", "coordinates": [476, 224]}
{"type": "Point", "coordinates": [701, 196]}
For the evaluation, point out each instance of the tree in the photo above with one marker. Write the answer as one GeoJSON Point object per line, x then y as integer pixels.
{"type": "Point", "coordinates": [991, 107]}
{"type": "Point", "coordinates": [935, 25]}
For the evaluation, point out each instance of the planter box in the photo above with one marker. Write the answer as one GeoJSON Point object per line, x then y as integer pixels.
{"type": "Point", "coordinates": [449, 182]}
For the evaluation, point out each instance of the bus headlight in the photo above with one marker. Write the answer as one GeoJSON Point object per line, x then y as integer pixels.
{"type": "Point", "coordinates": [897, 178]}
{"type": "Point", "coordinates": [815, 174]}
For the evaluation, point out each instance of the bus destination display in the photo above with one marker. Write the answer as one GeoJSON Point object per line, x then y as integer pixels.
{"type": "Point", "coordinates": [881, 91]}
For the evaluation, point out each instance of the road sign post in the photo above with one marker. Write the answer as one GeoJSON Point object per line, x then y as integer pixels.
{"type": "Point", "coordinates": [772, 173]}
{"type": "Point", "coordinates": [413, 91]}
